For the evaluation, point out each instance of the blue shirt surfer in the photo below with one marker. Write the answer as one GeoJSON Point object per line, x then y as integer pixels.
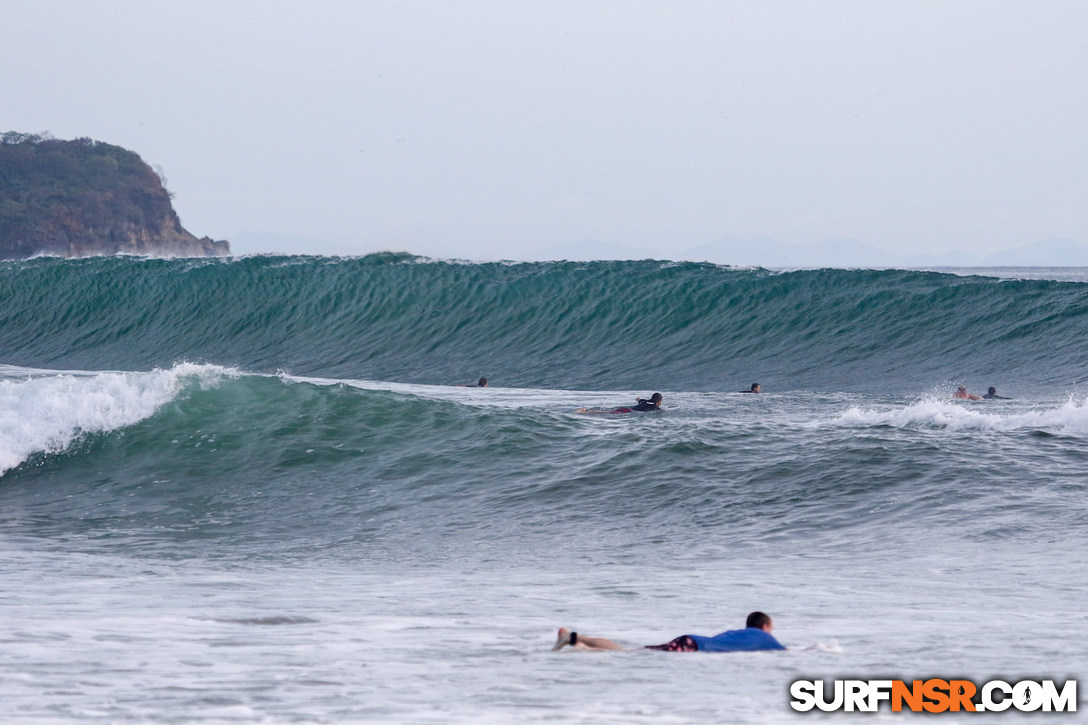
{"type": "Point", "coordinates": [756, 636]}
{"type": "Point", "coordinates": [749, 639]}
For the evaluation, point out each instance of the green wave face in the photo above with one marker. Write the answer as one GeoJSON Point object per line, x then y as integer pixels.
{"type": "Point", "coordinates": [599, 325]}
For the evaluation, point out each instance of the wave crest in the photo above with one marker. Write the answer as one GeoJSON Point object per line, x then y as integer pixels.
{"type": "Point", "coordinates": [46, 411]}
{"type": "Point", "coordinates": [1069, 418]}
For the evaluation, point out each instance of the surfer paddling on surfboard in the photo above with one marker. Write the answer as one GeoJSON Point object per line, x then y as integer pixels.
{"type": "Point", "coordinates": [643, 406]}
{"type": "Point", "coordinates": [481, 383]}
{"type": "Point", "coordinates": [755, 636]}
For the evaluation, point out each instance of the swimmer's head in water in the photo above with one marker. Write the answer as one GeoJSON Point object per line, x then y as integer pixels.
{"type": "Point", "coordinates": [482, 383]}
{"type": "Point", "coordinates": [992, 391]}
{"type": "Point", "coordinates": [656, 398]}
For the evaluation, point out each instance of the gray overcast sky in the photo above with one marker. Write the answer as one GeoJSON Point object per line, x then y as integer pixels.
{"type": "Point", "coordinates": [497, 129]}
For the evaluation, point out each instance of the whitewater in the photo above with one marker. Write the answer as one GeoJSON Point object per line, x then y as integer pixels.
{"type": "Point", "coordinates": [260, 490]}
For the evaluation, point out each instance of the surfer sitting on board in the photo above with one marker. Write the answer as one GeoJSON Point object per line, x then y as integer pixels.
{"type": "Point", "coordinates": [755, 636]}
{"type": "Point", "coordinates": [643, 406]}
{"type": "Point", "coordinates": [962, 394]}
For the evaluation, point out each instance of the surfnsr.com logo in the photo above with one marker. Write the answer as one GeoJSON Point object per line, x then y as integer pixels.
{"type": "Point", "coordinates": [934, 695]}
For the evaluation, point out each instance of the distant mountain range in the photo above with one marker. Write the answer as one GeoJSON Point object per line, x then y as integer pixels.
{"type": "Point", "coordinates": [766, 252]}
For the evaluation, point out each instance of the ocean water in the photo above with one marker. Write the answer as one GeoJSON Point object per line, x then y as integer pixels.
{"type": "Point", "coordinates": [253, 490]}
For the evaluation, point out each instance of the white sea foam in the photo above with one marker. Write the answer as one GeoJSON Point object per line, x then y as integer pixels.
{"type": "Point", "coordinates": [1069, 418]}
{"type": "Point", "coordinates": [492, 396]}
{"type": "Point", "coordinates": [832, 645]}
{"type": "Point", "coordinates": [44, 411]}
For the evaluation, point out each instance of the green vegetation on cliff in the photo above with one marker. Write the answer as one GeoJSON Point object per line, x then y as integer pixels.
{"type": "Point", "coordinates": [84, 197]}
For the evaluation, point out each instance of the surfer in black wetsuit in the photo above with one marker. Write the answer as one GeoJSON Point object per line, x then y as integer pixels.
{"type": "Point", "coordinates": [755, 389]}
{"type": "Point", "coordinates": [991, 394]}
{"type": "Point", "coordinates": [482, 383]}
{"type": "Point", "coordinates": [653, 404]}
{"type": "Point", "coordinates": [643, 406]}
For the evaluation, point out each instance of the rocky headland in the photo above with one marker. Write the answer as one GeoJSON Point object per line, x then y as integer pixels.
{"type": "Point", "coordinates": [83, 198]}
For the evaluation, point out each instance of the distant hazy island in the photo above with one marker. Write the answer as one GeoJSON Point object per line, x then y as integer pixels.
{"type": "Point", "coordinates": [81, 198]}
